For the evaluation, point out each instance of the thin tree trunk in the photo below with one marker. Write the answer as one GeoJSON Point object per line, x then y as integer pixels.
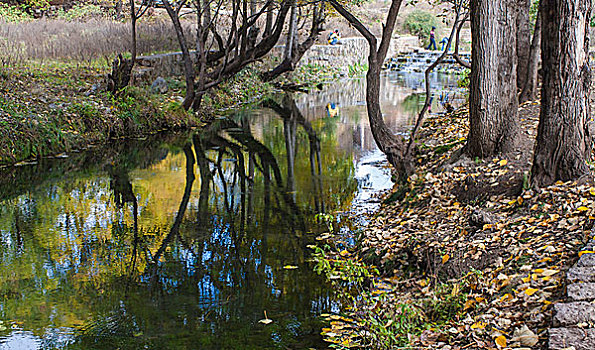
{"type": "Point", "coordinates": [529, 92]}
{"type": "Point", "coordinates": [188, 66]}
{"type": "Point", "coordinates": [121, 73]}
{"type": "Point", "coordinates": [291, 33]}
{"type": "Point", "coordinates": [563, 140]}
{"type": "Point", "coordinates": [387, 142]}
{"type": "Point", "coordinates": [268, 28]}
{"type": "Point", "coordinates": [290, 63]}
{"type": "Point", "coordinates": [523, 40]}
{"type": "Point", "coordinates": [493, 101]}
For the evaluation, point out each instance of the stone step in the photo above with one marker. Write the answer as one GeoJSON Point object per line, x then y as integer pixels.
{"type": "Point", "coordinates": [569, 314]}
{"type": "Point", "coordinates": [581, 291]}
{"type": "Point", "coordinates": [565, 338]}
{"type": "Point", "coordinates": [586, 260]}
{"type": "Point", "coordinates": [583, 274]}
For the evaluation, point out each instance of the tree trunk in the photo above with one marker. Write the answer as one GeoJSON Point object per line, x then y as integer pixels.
{"type": "Point", "coordinates": [523, 37]}
{"type": "Point", "coordinates": [121, 73]}
{"type": "Point", "coordinates": [268, 21]}
{"type": "Point", "coordinates": [563, 140]}
{"type": "Point", "coordinates": [529, 92]}
{"type": "Point", "coordinates": [291, 33]}
{"type": "Point", "coordinates": [188, 66]}
{"type": "Point", "coordinates": [289, 63]}
{"type": "Point", "coordinates": [493, 101]}
{"type": "Point", "coordinates": [391, 145]}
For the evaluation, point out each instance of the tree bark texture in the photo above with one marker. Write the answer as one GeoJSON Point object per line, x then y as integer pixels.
{"type": "Point", "coordinates": [563, 141]}
{"type": "Point", "coordinates": [523, 38]}
{"type": "Point", "coordinates": [529, 92]}
{"type": "Point", "coordinates": [493, 100]}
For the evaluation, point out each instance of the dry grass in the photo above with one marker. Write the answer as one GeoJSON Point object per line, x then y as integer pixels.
{"type": "Point", "coordinates": [55, 39]}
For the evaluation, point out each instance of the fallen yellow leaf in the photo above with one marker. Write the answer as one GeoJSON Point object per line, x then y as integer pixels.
{"type": "Point", "coordinates": [344, 252]}
{"type": "Point", "coordinates": [503, 162]}
{"type": "Point", "coordinates": [445, 258]}
{"type": "Point", "coordinates": [582, 208]}
{"type": "Point", "coordinates": [549, 272]}
{"type": "Point", "coordinates": [506, 297]}
{"type": "Point", "coordinates": [530, 291]}
{"type": "Point", "coordinates": [501, 341]}
{"type": "Point", "coordinates": [585, 252]}
{"type": "Point", "coordinates": [592, 191]}
{"type": "Point", "coordinates": [479, 324]}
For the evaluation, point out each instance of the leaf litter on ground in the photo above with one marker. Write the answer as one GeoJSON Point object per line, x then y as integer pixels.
{"type": "Point", "coordinates": [478, 228]}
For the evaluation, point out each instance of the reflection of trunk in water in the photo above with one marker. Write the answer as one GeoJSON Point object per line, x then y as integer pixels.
{"type": "Point", "coordinates": [290, 131]}
{"type": "Point", "coordinates": [290, 112]}
{"type": "Point", "coordinates": [268, 164]}
{"type": "Point", "coordinates": [190, 161]}
{"type": "Point", "coordinates": [122, 190]}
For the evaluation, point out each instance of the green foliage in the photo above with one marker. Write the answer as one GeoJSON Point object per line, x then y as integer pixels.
{"type": "Point", "coordinates": [40, 4]}
{"type": "Point", "coordinates": [311, 74]}
{"type": "Point", "coordinates": [420, 23]}
{"type": "Point", "coordinates": [130, 103]}
{"type": "Point", "coordinates": [13, 14]}
{"type": "Point", "coordinates": [465, 79]}
{"type": "Point", "coordinates": [357, 69]}
{"type": "Point", "coordinates": [81, 12]}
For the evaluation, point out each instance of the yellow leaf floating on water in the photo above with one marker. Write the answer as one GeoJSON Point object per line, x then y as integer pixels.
{"type": "Point", "coordinates": [530, 291]}
{"type": "Point", "coordinates": [585, 252]}
{"type": "Point", "coordinates": [265, 320]}
{"type": "Point", "coordinates": [445, 258]}
{"type": "Point", "coordinates": [503, 162]}
{"type": "Point", "coordinates": [290, 267]}
{"type": "Point", "coordinates": [501, 341]}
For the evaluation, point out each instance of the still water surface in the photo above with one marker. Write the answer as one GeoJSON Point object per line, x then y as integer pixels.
{"type": "Point", "coordinates": [184, 241]}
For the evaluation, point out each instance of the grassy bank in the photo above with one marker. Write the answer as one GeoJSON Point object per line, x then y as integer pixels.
{"type": "Point", "coordinates": [467, 255]}
{"type": "Point", "coordinates": [48, 108]}
{"type": "Point", "coordinates": [53, 106]}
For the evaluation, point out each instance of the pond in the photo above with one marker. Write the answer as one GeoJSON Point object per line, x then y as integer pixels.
{"type": "Point", "coordinates": [189, 241]}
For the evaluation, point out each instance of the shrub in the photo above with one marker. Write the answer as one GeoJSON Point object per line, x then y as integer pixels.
{"type": "Point", "coordinates": [420, 23]}
{"type": "Point", "coordinates": [464, 79]}
{"type": "Point", "coordinates": [13, 14]}
{"type": "Point", "coordinates": [82, 12]}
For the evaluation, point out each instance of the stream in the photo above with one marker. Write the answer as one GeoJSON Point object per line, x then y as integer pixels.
{"type": "Point", "coordinates": [185, 241]}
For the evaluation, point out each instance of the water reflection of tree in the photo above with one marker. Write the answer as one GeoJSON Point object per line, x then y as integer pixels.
{"type": "Point", "coordinates": [218, 262]}
{"type": "Point", "coordinates": [292, 116]}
